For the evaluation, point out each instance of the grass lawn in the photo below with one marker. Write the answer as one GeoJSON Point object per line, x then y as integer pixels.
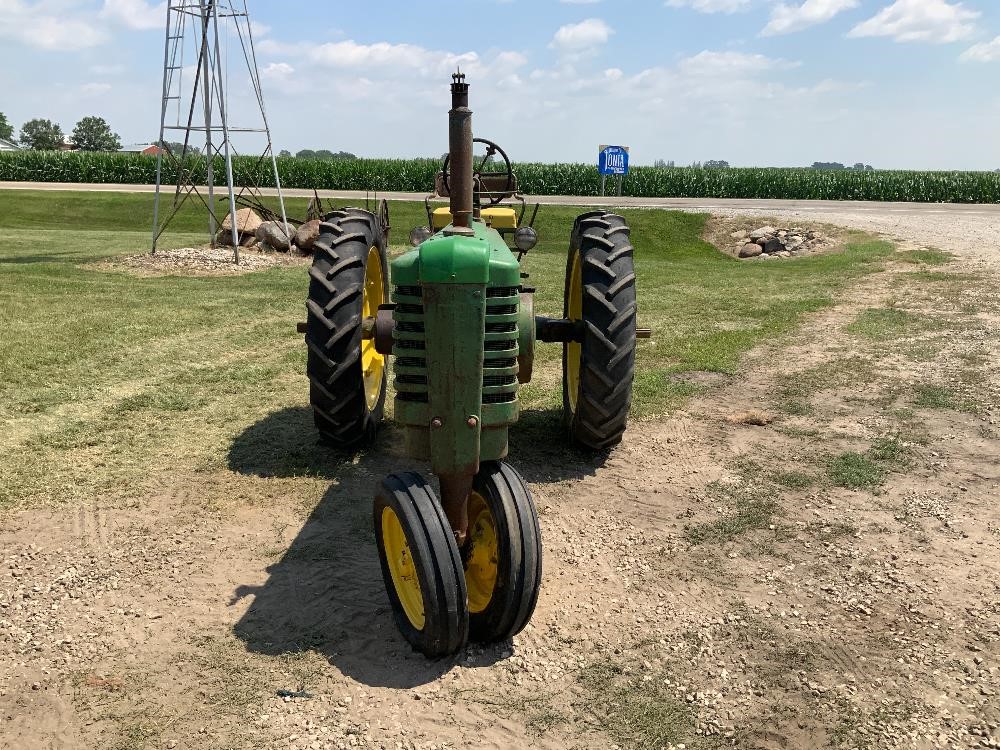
{"type": "Point", "coordinates": [112, 384]}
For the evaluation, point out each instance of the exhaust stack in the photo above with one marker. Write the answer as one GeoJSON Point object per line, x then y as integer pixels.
{"type": "Point", "coordinates": [460, 148]}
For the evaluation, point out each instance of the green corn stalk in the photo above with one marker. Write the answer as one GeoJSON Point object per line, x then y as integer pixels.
{"type": "Point", "coordinates": [417, 175]}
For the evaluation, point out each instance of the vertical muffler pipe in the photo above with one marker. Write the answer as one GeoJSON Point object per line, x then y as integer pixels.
{"type": "Point", "coordinates": [460, 148]}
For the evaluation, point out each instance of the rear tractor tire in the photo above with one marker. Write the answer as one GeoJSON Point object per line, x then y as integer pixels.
{"type": "Point", "coordinates": [600, 293]}
{"type": "Point", "coordinates": [348, 281]}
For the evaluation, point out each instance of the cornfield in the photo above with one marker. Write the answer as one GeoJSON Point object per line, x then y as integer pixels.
{"type": "Point", "coordinates": [417, 175]}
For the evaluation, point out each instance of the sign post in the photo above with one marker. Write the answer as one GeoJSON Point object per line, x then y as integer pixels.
{"type": "Point", "coordinates": [612, 160]}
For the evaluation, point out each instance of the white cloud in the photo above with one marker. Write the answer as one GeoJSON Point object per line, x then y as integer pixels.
{"type": "Point", "coordinates": [708, 63]}
{"type": "Point", "coordinates": [578, 37]}
{"type": "Point", "coordinates": [45, 27]}
{"type": "Point", "coordinates": [278, 71]}
{"type": "Point", "coordinates": [95, 89]}
{"type": "Point", "coordinates": [399, 59]}
{"type": "Point", "coordinates": [788, 18]}
{"type": "Point", "coordinates": [935, 21]}
{"type": "Point", "coordinates": [579, 2]}
{"type": "Point", "coordinates": [982, 52]}
{"type": "Point", "coordinates": [710, 6]}
{"type": "Point", "coordinates": [135, 14]}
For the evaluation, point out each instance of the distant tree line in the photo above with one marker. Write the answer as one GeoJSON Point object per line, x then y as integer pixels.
{"type": "Point", "coordinates": [179, 149]}
{"type": "Point", "coordinates": [321, 154]}
{"type": "Point", "coordinates": [90, 134]}
{"type": "Point", "coordinates": [710, 164]}
{"type": "Point", "coordinates": [859, 167]}
{"type": "Point", "coordinates": [721, 164]}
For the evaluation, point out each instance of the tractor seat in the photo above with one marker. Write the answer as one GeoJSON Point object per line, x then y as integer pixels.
{"type": "Point", "coordinates": [494, 184]}
{"type": "Point", "coordinates": [500, 218]}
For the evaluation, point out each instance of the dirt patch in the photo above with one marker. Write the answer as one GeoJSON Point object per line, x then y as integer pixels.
{"type": "Point", "coordinates": [199, 261]}
{"type": "Point", "coordinates": [803, 557]}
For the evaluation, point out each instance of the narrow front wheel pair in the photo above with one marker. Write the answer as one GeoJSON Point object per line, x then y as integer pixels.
{"type": "Point", "coordinates": [443, 595]}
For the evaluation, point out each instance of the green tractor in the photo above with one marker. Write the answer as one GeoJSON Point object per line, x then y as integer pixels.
{"type": "Point", "coordinates": [459, 324]}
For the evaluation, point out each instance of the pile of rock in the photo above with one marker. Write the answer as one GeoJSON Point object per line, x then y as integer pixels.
{"type": "Point", "coordinates": [771, 242]}
{"type": "Point", "coordinates": [268, 236]}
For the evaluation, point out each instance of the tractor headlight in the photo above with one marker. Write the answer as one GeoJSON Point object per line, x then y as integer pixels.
{"type": "Point", "coordinates": [525, 238]}
{"type": "Point", "coordinates": [418, 235]}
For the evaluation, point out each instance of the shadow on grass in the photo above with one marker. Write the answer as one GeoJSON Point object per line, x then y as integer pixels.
{"type": "Point", "coordinates": [325, 594]}
{"type": "Point", "coordinates": [53, 257]}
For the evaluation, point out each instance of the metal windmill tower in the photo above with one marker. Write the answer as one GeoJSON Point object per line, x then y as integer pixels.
{"type": "Point", "coordinates": [202, 31]}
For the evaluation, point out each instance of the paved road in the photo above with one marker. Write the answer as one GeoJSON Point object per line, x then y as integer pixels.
{"type": "Point", "coordinates": [686, 204]}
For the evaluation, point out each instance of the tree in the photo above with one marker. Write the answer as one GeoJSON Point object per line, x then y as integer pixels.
{"type": "Point", "coordinates": [41, 135]}
{"type": "Point", "coordinates": [94, 134]}
{"type": "Point", "coordinates": [6, 129]}
{"type": "Point", "coordinates": [308, 153]}
{"type": "Point", "coordinates": [285, 153]}
{"type": "Point", "coordinates": [661, 164]}
{"type": "Point", "coordinates": [178, 150]}
{"type": "Point", "coordinates": [716, 164]}
{"type": "Point", "coordinates": [828, 165]}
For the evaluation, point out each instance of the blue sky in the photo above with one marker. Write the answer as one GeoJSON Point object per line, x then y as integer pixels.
{"type": "Point", "coordinates": [893, 83]}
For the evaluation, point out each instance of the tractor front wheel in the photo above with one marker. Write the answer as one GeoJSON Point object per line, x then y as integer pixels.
{"type": "Point", "coordinates": [503, 554]}
{"type": "Point", "coordinates": [348, 281]}
{"type": "Point", "coordinates": [421, 566]}
{"type": "Point", "coordinates": [599, 368]}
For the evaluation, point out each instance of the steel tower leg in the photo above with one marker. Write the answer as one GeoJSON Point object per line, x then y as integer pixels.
{"type": "Point", "coordinates": [225, 136]}
{"type": "Point", "coordinates": [209, 153]}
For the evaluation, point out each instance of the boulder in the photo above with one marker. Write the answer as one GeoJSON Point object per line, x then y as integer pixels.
{"type": "Point", "coordinates": [306, 235]}
{"type": "Point", "coordinates": [740, 235]}
{"type": "Point", "coordinates": [750, 250]}
{"type": "Point", "coordinates": [247, 221]}
{"type": "Point", "coordinates": [773, 245]}
{"type": "Point", "coordinates": [762, 233]}
{"type": "Point", "coordinates": [784, 254]}
{"type": "Point", "coordinates": [794, 242]}
{"type": "Point", "coordinates": [224, 238]}
{"type": "Point", "coordinates": [270, 233]}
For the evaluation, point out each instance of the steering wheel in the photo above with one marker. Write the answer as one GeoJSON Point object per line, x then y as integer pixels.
{"type": "Point", "coordinates": [477, 174]}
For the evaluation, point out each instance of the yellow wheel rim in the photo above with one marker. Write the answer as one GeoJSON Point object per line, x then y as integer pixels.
{"type": "Point", "coordinates": [573, 348]}
{"type": "Point", "coordinates": [372, 363]}
{"type": "Point", "coordinates": [402, 569]}
{"type": "Point", "coordinates": [483, 558]}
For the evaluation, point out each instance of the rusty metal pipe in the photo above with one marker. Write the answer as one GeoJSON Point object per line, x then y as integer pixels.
{"type": "Point", "coordinates": [460, 148]}
{"type": "Point", "coordinates": [455, 490]}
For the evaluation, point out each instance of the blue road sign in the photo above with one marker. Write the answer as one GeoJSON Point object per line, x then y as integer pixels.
{"type": "Point", "coordinates": [613, 160]}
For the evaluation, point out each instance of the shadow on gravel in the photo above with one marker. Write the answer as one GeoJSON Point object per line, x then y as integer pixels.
{"type": "Point", "coordinates": [326, 593]}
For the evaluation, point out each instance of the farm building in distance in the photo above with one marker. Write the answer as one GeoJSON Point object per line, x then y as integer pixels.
{"type": "Point", "coordinates": [148, 149]}
{"type": "Point", "coordinates": [6, 145]}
